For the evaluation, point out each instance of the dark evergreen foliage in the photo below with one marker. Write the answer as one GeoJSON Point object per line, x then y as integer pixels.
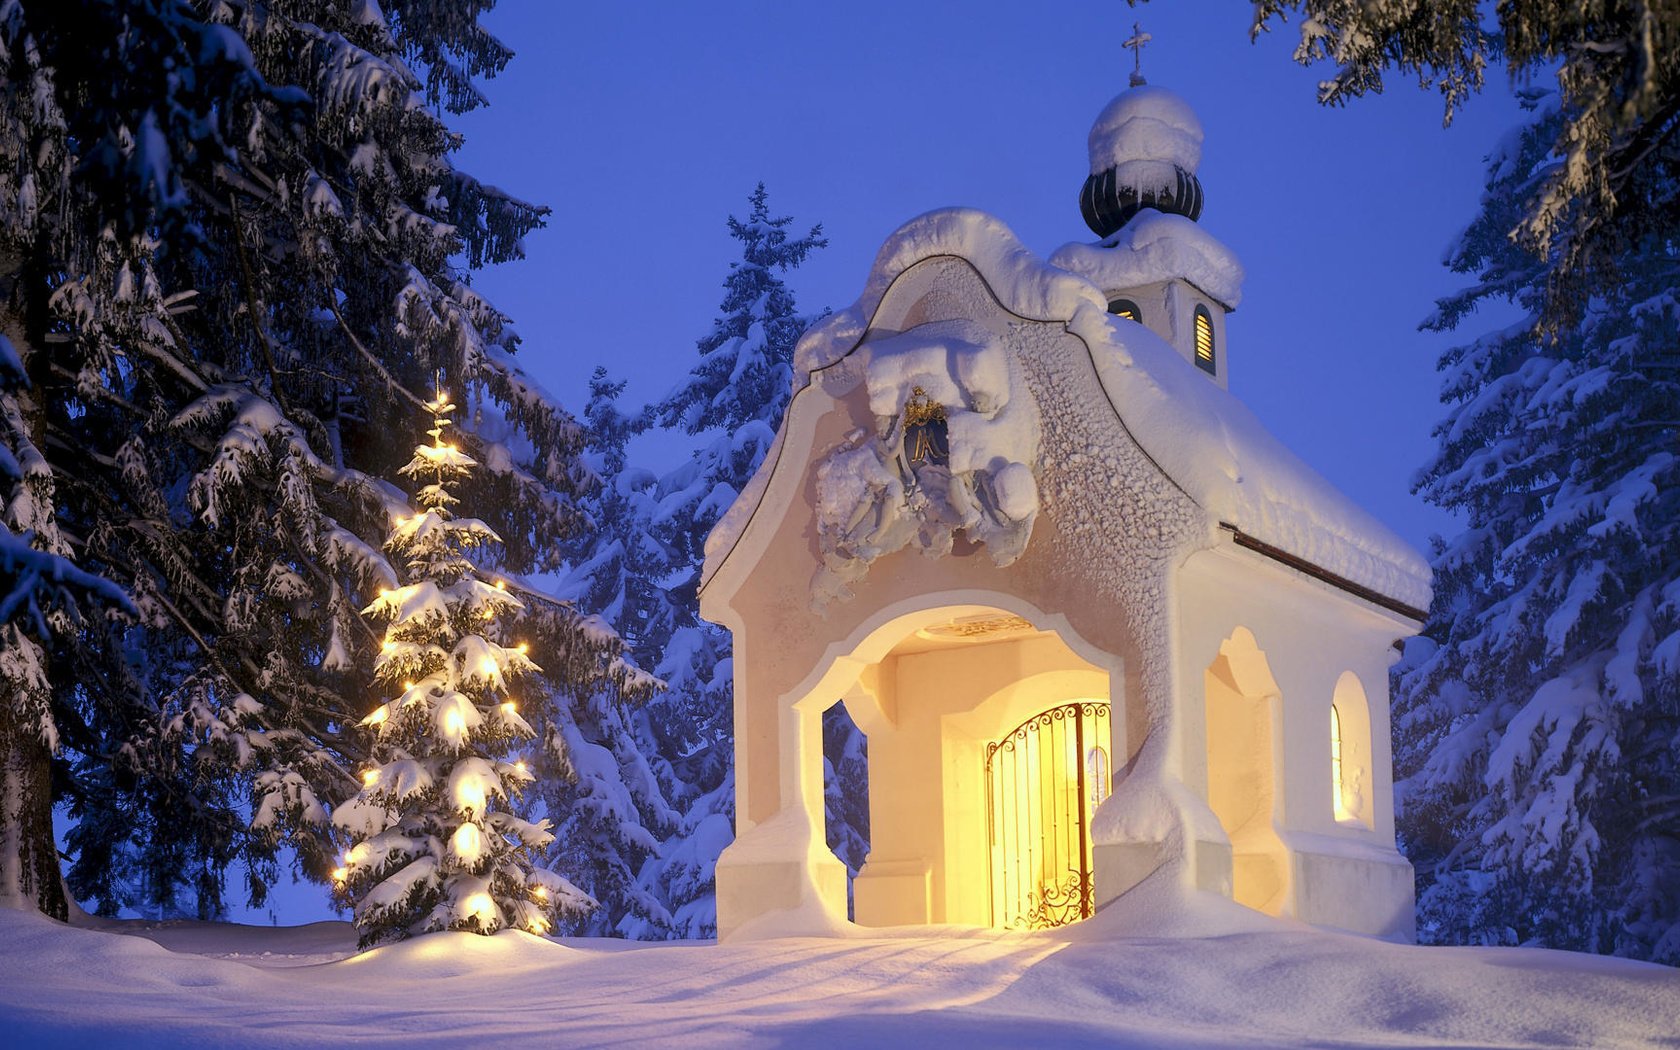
{"type": "Point", "coordinates": [230, 276]}
{"type": "Point", "coordinates": [604, 772]}
{"type": "Point", "coordinates": [1537, 726]}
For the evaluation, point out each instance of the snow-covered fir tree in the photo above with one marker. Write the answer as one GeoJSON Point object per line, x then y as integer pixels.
{"type": "Point", "coordinates": [42, 594]}
{"type": "Point", "coordinates": [733, 399]}
{"type": "Point", "coordinates": [605, 765]}
{"type": "Point", "coordinates": [617, 563]}
{"type": "Point", "coordinates": [226, 273]}
{"type": "Point", "coordinates": [1537, 725]}
{"type": "Point", "coordinates": [436, 841]}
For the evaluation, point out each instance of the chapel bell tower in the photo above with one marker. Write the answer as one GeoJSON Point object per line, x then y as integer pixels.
{"type": "Point", "coordinates": [1142, 199]}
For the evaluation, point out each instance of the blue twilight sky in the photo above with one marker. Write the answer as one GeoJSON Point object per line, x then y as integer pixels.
{"type": "Point", "coordinates": [642, 126]}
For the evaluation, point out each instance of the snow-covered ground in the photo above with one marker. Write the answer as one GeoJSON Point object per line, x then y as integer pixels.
{"type": "Point", "coordinates": [1223, 978]}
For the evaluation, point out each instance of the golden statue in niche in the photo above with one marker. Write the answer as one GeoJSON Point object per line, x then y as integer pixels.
{"type": "Point", "coordinates": [925, 436]}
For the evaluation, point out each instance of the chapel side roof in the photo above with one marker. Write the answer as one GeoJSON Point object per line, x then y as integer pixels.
{"type": "Point", "coordinates": [1202, 437]}
{"type": "Point", "coordinates": [1216, 449]}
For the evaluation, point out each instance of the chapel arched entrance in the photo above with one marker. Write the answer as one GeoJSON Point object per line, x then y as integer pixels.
{"type": "Point", "coordinates": [991, 743]}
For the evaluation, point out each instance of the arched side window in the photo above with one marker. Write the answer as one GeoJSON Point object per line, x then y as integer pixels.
{"type": "Point", "coordinates": [1338, 793]}
{"type": "Point", "coordinates": [1125, 308]}
{"type": "Point", "coordinates": [1206, 353]}
{"type": "Point", "coordinates": [1351, 772]}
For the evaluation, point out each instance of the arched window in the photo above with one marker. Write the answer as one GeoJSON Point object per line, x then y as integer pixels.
{"type": "Point", "coordinates": [1338, 797]}
{"type": "Point", "coordinates": [1125, 308]}
{"type": "Point", "coordinates": [1206, 358]}
{"type": "Point", "coordinates": [1350, 753]}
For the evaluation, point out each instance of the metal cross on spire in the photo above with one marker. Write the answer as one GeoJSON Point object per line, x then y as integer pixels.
{"type": "Point", "coordinates": [1139, 38]}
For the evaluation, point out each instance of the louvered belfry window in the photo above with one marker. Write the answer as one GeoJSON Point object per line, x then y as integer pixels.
{"type": "Point", "coordinates": [1205, 351]}
{"type": "Point", "coordinates": [1125, 308]}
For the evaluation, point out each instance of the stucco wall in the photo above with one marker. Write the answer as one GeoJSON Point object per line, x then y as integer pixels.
{"type": "Point", "coordinates": [1311, 637]}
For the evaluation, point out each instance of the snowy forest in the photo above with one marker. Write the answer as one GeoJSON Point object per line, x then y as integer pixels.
{"type": "Point", "coordinates": [305, 575]}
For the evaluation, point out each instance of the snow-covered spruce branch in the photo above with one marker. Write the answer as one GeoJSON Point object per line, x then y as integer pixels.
{"type": "Point", "coordinates": [254, 313]}
{"type": "Point", "coordinates": [384, 374]}
{"type": "Point", "coordinates": [35, 578]}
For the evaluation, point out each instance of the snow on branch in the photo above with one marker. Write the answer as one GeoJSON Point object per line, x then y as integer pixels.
{"type": "Point", "coordinates": [32, 578]}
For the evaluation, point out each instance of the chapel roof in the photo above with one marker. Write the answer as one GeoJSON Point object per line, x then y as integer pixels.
{"type": "Point", "coordinates": [1202, 437]}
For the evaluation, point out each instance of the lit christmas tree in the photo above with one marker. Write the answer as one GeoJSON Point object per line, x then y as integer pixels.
{"type": "Point", "coordinates": [435, 844]}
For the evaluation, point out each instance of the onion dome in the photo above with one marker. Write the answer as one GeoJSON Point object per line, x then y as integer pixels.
{"type": "Point", "coordinates": [1145, 146]}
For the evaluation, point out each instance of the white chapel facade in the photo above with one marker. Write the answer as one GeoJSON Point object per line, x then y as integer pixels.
{"type": "Point", "coordinates": [1098, 625]}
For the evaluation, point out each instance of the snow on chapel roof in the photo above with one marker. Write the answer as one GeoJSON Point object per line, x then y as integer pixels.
{"type": "Point", "coordinates": [1202, 437]}
{"type": "Point", "coordinates": [1224, 458]}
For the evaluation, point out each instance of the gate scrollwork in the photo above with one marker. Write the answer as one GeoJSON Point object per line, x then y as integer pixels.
{"type": "Point", "coordinates": [1039, 808]}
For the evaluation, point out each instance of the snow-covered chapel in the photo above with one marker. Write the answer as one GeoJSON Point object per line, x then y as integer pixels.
{"type": "Point", "coordinates": [1098, 625]}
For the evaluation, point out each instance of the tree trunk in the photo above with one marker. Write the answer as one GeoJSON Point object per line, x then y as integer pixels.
{"type": "Point", "coordinates": [29, 871]}
{"type": "Point", "coordinates": [30, 875]}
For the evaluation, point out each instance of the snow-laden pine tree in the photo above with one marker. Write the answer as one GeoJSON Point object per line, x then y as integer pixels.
{"type": "Point", "coordinates": [227, 271]}
{"type": "Point", "coordinates": [1537, 726]}
{"type": "Point", "coordinates": [42, 594]}
{"type": "Point", "coordinates": [437, 842]}
{"type": "Point", "coordinates": [733, 400]}
{"type": "Point", "coordinates": [617, 565]}
{"type": "Point", "coordinates": [604, 770]}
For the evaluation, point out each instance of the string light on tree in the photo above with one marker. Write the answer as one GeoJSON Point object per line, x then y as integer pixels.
{"type": "Point", "coordinates": [437, 844]}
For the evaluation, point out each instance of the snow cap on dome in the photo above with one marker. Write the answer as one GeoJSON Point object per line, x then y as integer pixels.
{"type": "Point", "coordinates": [1147, 124]}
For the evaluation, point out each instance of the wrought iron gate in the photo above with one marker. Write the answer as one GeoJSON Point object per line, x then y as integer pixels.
{"type": "Point", "coordinates": [1043, 782]}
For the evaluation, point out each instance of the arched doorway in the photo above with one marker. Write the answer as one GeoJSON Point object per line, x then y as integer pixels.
{"type": "Point", "coordinates": [1044, 781]}
{"type": "Point", "coordinates": [949, 696]}
{"type": "Point", "coordinates": [1242, 703]}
